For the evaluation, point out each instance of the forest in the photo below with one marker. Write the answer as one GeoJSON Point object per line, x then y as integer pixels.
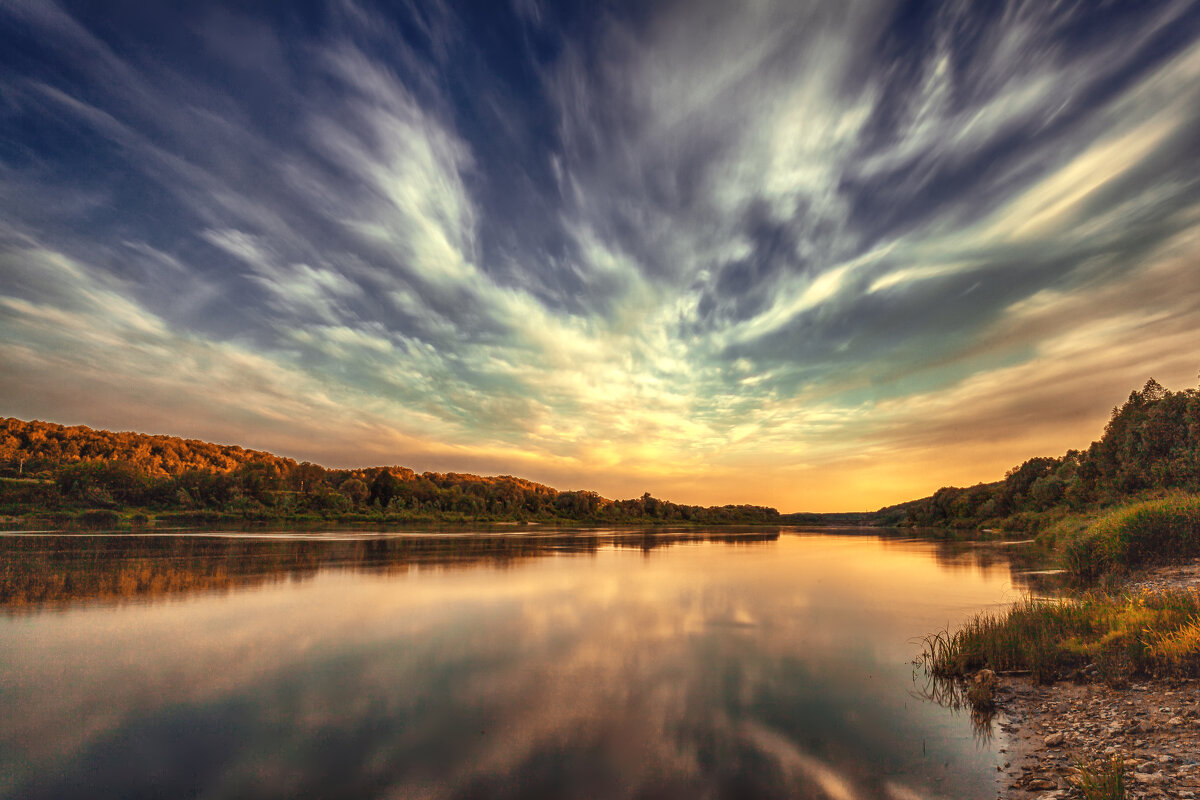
{"type": "Point", "coordinates": [96, 478]}
{"type": "Point", "coordinates": [1150, 447]}
{"type": "Point", "coordinates": [77, 475]}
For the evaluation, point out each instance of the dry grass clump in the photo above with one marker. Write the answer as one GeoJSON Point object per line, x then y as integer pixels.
{"type": "Point", "coordinates": [1176, 646]}
{"type": "Point", "coordinates": [1103, 779]}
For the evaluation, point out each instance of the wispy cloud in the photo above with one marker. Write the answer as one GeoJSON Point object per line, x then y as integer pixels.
{"type": "Point", "coordinates": [675, 249]}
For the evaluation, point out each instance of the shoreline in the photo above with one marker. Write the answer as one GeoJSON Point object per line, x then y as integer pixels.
{"type": "Point", "coordinates": [1153, 724]}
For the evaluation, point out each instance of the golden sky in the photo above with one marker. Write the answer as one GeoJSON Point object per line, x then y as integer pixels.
{"type": "Point", "coordinates": [823, 259]}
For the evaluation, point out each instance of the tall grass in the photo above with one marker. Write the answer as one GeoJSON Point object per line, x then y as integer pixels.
{"type": "Point", "coordinates": [1103, 779]}
{"type": "Point", "coordinates": [1121, 635]}
{"type": "Point", "coordinates": [1154, 531]}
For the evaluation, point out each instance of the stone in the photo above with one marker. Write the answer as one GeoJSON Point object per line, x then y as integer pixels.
{"type": "Point", "coordinates": [1054, 739]}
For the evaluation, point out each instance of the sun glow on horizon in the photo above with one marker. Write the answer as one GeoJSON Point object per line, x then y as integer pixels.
{"type": "Point", "coordinates": [817, 258]}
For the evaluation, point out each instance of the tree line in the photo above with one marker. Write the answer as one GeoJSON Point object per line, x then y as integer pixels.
{"type": "Point", "coordinates": [1150, 445]}
{"type": "Point", "coordinates": [49, 467]}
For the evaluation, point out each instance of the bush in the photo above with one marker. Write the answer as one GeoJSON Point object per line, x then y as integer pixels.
{"type": "Point", "coordinates": [1087, 557]}
{"type": "Point", "coordinates": [100, 518]}
{"type": "Point", "coordinates": [981, 693]}
{"type": "Point", "coordinates": [1153, 531]}
{"type": "Point", "coordinates": [1156, 531]}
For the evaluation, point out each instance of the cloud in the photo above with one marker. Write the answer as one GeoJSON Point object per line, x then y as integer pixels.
{"type": "Point", "coordinates": [620, 250]}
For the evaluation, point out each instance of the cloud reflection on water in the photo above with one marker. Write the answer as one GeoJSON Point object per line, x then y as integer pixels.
{"type": "Point", "coordinates": [699, 670]}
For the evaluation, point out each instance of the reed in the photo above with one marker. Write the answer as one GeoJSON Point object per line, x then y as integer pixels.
{"type": "Point", "coordinates": [1121, 635]}
{"type": "Point", "coordinates": [1103, 779]}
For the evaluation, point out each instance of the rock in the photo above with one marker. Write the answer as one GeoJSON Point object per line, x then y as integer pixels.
{"type": "Point", "coordinates": [1149, 778]}
{"type": "Point", "coordinates": [1175, 722]}
{"type": "Point", "coordinates": [1054, 739]}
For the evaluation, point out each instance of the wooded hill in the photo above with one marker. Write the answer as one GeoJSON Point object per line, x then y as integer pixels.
{"type": "Point", "coordinates": [1151, 445]}
{"type": "Point", "coordinates": [49, 468]}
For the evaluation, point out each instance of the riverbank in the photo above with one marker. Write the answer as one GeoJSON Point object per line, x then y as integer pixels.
{"type": "Point", "coordinates": [1153, 727]}
{"type": "Point", "coordinates": [1151, 724]}
{"type": "Point", "coordinates": [151, 521]}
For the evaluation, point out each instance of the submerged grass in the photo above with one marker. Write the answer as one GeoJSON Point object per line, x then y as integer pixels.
{"type": "Point", "coordinates": [1121, 635]}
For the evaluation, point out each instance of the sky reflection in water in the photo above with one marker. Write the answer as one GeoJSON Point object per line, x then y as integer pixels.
{"type": "Point", "coordinates": [774, 668]}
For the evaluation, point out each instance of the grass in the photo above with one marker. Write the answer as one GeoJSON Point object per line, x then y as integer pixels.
{"type": "Point", "coordinates": [981, 692]}
{"type": "Point", "coordinates": [1146, 633]}
{"type": "Point", "coordinates": [1154, 531]}
{"type": "Point", "coordinates": [1103, 779]}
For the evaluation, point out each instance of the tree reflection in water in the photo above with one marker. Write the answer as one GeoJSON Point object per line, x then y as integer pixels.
{"type": "Point", "coordinates": [47, 571]}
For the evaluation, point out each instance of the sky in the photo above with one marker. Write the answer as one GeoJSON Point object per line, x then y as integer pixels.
{"type": "Point", "coordinates": [820, 256]}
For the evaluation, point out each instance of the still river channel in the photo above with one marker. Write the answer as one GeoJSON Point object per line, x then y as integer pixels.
{"type": "Point", "coordinates": [554, 664]}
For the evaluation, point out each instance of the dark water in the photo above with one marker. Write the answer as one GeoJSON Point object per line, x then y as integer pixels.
{"type": "Point", "coordinates": [597, 665]}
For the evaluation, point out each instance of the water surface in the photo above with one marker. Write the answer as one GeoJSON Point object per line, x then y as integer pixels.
{"type": "Point", "coordinates": [596, 664]}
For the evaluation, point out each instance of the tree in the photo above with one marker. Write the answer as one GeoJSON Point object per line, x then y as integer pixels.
{"type": "Point", "coordinates": [306, 477]}
{"type": "Point", "coordinates": [355, 491]}
{"type": "Point", "coordinates": [384, 487]}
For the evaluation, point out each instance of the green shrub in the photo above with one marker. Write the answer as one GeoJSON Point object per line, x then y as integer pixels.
{"type": "Point", "coordinates": [1087, 557]}
{"type": "Point", "coordinates": [1153, 531]}
{"type": "Point", "coordinates": [981, 691]}
{"type": "Point", "coordinates": [1158, 530]}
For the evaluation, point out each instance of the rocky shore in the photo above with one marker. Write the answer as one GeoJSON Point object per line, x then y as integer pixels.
{"type": "Point", "coordinates": [1153, 725]}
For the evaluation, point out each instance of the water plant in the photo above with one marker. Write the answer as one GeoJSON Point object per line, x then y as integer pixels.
{"type": "Point", "coordinates": [1048, 638]}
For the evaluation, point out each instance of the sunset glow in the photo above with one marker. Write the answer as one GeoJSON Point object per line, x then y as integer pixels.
{"type": "Point", "coordinates": [819, 256]}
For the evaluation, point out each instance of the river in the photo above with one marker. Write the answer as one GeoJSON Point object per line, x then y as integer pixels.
{"type": "Point", "coordinates": [557, 664]}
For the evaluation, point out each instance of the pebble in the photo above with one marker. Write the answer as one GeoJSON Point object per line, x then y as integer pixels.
{"type": "Point", "coordinates": [1153, 725]}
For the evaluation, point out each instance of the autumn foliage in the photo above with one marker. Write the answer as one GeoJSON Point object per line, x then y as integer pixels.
{"type": "Point", "coordinates": [48, 468]}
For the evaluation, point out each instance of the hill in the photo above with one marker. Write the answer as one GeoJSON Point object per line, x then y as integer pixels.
{"type": "Point", "coordinates": [1150, 446]}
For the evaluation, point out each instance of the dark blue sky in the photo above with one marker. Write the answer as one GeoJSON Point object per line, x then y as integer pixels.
{"type": "Point", "coordinates": [793, 253]}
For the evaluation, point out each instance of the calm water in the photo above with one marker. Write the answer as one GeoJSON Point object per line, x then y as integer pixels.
{"type": "Point", "coordinates": [607, 666]}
